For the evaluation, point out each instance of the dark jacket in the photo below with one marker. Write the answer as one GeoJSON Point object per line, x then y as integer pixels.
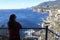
{"type": "Point", "coordinates": [14, 28]}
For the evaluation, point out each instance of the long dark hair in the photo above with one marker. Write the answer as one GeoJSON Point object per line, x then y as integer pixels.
{"type": "Point", "coordinates": [12, 21]}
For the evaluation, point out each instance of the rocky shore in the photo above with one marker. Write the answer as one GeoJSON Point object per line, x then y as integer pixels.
{"type": "Point", "coordinates": [52, 21]}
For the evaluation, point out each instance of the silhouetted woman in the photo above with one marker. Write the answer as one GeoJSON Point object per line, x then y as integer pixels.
{"type": "Point", "coordinates": [13, 28]}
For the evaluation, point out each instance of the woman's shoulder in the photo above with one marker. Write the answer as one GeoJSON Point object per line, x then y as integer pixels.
{"type": "Point", "coordinates": [18, 23]}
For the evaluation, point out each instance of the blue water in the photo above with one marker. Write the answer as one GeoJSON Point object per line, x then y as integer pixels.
{"type": "Point", "coordinates": [26, 17]}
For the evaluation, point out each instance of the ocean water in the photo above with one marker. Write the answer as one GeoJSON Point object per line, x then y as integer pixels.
{"type": "Point", "coordinates": [26, 17]}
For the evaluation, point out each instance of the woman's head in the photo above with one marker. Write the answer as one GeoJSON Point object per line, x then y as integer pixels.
{"type": "Point", "coordinates": [12, 17]}
{"type": "Point", "coordinates": [11, 22]}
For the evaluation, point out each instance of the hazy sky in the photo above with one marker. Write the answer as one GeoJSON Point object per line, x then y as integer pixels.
{"type": "Point", "coordinates": [18, 4]}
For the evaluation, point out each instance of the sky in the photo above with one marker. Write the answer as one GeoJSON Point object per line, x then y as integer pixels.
{"type": "Point", "coordinates": [19, 4]}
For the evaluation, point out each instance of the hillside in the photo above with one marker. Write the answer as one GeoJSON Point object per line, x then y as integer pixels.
{"type": "Point", "coordinates": [49, 4]}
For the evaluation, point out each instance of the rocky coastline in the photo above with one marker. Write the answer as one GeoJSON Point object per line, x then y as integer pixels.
{"type": "Point", "coordinates": [52, 21]}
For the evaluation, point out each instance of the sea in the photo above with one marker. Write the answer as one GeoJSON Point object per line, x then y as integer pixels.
{"type": "Point", "coordinates": [26, 17]}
